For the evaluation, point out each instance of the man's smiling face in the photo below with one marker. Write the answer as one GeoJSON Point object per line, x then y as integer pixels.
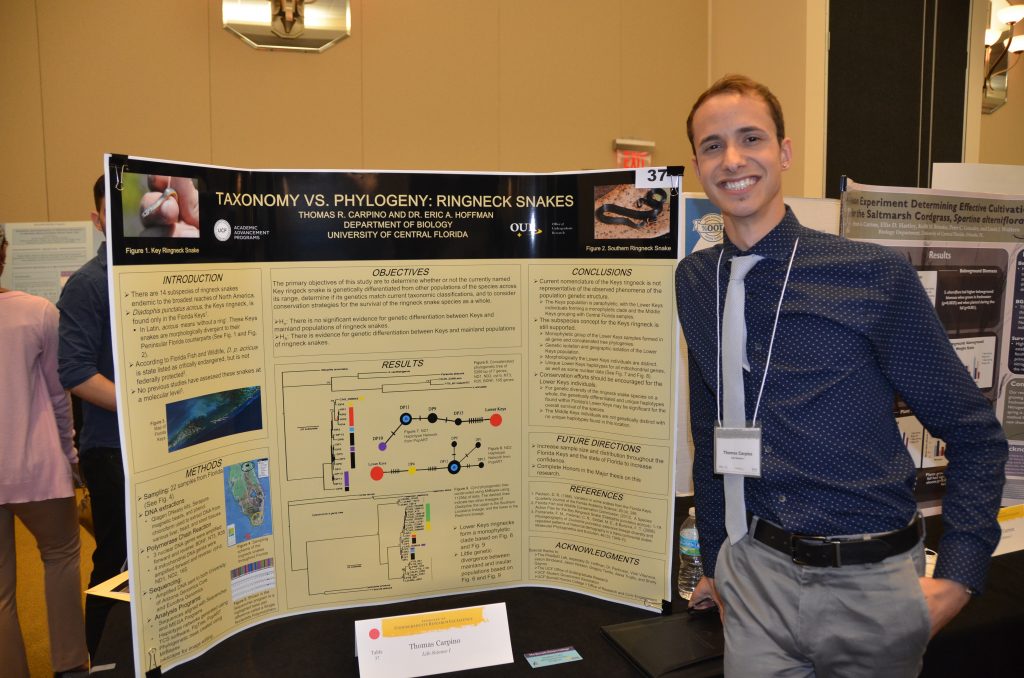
{"type": "Point", "coordinates": [739, 160]}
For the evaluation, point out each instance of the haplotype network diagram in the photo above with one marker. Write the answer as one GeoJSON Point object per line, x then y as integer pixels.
{"type": "Point", "coordinates": [456, 464]}
{"type": "Point", "coordinates": [344, 448]}
{"type": "Point", "coordinates": [352, 425]}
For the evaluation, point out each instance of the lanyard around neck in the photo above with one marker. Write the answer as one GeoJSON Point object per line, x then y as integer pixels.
{"type": "Point", "coordinates": [718, 330]}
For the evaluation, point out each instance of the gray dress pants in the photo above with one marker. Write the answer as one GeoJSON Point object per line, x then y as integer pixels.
{"type": "Point", "coordinates": [788, 620]}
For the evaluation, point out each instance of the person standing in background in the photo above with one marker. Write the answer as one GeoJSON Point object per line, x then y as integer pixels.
{"type": "Point", "coordinates": [37, 457]}
{"type": "Point", "coordinates": [86, 367]}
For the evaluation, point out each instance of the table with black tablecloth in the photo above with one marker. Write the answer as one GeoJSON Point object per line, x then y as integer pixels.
{"type": "Point", "coordinates": [985, 640]}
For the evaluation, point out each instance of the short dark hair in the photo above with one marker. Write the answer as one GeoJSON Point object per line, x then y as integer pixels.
{"type": "Point", "coordinates": [739, 84]}
{"type": "Point", "coordinates": [99, 191]}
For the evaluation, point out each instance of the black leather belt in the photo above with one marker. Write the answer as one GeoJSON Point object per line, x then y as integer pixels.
{"type": "Point", "coordinates": [835, 552]}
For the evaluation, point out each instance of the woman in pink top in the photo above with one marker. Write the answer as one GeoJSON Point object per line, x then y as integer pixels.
{"type": "Point", "coordinates": [36, 458]}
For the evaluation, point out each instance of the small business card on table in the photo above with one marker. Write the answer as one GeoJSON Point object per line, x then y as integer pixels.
{"type": "Point", "coordinates": [549, 657]}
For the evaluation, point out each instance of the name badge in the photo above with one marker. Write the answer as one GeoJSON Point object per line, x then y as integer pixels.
{"type": "Point", "coordinates": [738, 451]}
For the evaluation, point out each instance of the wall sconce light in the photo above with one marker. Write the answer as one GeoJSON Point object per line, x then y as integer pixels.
{"type": "Point", "coordinates": [295, 25]}
{"type": "Point", "coordinates": [1002, 52]}
{"type": "Point", "coordinates": [286, 18]}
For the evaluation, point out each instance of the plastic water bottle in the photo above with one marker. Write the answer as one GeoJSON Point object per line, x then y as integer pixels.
{"type": "Point", "coordinates": [690, 568]}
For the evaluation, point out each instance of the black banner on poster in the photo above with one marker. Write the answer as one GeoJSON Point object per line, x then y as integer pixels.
{"type": "Point", "coordinates": [245, 215]}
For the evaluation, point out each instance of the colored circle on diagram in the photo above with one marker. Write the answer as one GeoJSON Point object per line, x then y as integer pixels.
{"type": "Point", "coordinates": [406, 418]}
{"type": "Point", "coordinates": [374, 634]}
{"type": "Point", "coordinates": [495, 419]}
{"type": "Point", "coordinates": [376, 473]}
{"type": "Point", "coordinates": [453, 467]}
{"type": "Point", "coordinates": [382, 446]}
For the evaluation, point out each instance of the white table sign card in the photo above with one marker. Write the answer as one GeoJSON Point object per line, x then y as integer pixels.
{"type": "Point", "coordinates": [433, 642]}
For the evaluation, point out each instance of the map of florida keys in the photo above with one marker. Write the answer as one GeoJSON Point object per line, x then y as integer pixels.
{"type": "Point", "coordinates": [247, 500]}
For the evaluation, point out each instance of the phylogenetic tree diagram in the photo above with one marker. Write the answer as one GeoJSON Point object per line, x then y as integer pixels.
{"type": "Point", "coordinates": [357, 543]}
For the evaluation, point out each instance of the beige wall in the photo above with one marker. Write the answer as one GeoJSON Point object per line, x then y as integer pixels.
{"type": "Point", "coordinates": [768, 42]}
{"type": "Point", "coordinates": [22, 166]}
{"type": "Point", "coordinates": [510, 85]}
{"type": "Point", "coordinates": [507, 85]}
